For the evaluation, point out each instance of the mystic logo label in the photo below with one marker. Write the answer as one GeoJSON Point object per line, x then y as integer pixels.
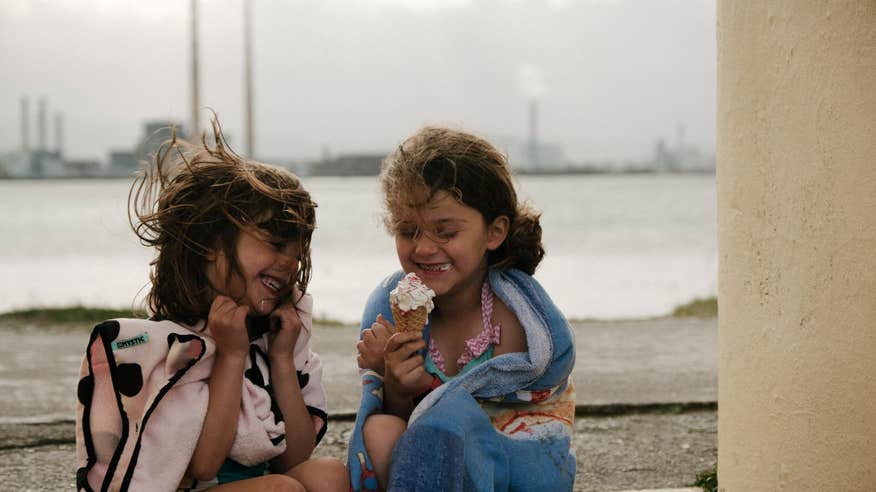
{"type": "Point", "coordinates": [131, 342]}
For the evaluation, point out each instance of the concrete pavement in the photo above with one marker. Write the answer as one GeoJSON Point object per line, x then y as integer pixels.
{"type": "Point", "coordinates": [645, 392]}
{"type": "Point", "coordinates": [663, 360]}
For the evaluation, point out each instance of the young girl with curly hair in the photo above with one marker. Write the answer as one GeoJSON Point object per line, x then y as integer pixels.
{"type": "Point", "coordinates": [219, 388]}
{"type": "Point", "coordinates": [481, 398]}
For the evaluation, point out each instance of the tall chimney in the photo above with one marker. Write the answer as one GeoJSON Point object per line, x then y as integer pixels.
{"type": "Point", "coordinates": [25, 125]}
{"type": "Point", "coordinates": [247, 53]}
{"type": "Point", "coordinates": [59, 133]}
{"type": "Point", "coordinates": [534, 157]}
{"type": "Point", "coordinates": [41, 124]}
{"type": "Point", "coordinates": [196, 127]}
{"type": "Point", "coordinates": [679, 135]}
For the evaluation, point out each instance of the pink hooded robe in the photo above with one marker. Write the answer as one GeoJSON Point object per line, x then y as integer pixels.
{"type": "Point", "coordinates": [143, 397]}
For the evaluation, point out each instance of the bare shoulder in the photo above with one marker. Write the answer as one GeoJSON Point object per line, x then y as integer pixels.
{"type": "Point", "coordinates": [513, 337]}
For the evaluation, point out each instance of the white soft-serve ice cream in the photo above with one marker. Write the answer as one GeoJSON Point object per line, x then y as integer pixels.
{"type": "Point", "coordinates": [411, 302]}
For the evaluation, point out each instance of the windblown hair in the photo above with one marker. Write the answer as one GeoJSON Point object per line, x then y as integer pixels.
{"type": "Point", "coordinates": [193, 200]}
{"type": "Point", "coordinates": [475, 173]}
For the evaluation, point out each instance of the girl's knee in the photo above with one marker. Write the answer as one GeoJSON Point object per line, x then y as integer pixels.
{"type": "Point", "coordinates": [380, 434]}
{"type": "Point", "coordinates": [334, 474]}
{"type": "Point", "coordinates": [332, 466]}
{"type": "Point", "coordinates": [280, 483]}
{"type": "Point", "coordinates": [322, 474]}
{"type": "Point", "coordinates": [381, 426]}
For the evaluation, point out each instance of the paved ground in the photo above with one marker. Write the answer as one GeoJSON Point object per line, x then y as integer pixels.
{"type": "Point", "coordinates": [614, 452]}
{"type": "Point", "coordinates": [626, 372]}
{"type": "Point", "coordinates": [628, 362]}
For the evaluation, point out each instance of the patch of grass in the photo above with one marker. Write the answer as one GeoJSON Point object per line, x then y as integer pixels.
{"type": "Point", "coordinates": [671, 409]}
{"type": "Point", "coordinates": [330, 322]}
{"type": "Point", "coordinates": [698, 308]}
{"type": "Point", "coordinates": [708, 480]}
{"type": "Point", "coordinates": [90, 316]}
{"type": "Point", "coordinates": [67, 315]}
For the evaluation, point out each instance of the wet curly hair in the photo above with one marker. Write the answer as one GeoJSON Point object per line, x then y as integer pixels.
{"type": "Point", "coordinates": [191, 200]}
{"type": "Point", "coordinates": [472, 171]}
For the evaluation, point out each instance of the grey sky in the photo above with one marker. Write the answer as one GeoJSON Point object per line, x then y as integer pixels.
{"type": "Point", "coordinates": [357, 75]}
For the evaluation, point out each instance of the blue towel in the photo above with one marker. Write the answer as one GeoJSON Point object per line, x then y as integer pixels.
{"type": "Point", "coordinates": [505, 425]}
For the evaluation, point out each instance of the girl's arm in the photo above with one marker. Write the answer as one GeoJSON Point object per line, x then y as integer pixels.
{"type": "Point", "coordinates": [406, 377]}
{"type": "Point", "coordinates": [227, 326]}
{"type": "Point", "coordinates": [300, 431]}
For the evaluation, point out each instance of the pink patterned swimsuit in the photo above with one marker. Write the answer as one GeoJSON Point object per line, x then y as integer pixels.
{"type": "Point", "coordinates": [477, 349]}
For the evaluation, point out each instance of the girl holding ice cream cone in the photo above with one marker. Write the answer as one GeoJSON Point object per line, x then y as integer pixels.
{"type": "Point", "coordinates": [463, 238]}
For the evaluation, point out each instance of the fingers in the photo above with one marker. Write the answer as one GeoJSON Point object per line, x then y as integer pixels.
{"type": "Point", "coordinates": [240, 315]}
{"type": "Point", "coordinates": [381, 332]}
{"type": "Point", "coordinates": [380, 345]}
{"type": "Point", "coordinates": [225, 308]}
{"type": "Point", "coordinates": [408, 365]}
{"type": "Point", "coordinates": [409, 374]}
{"type": "Point", "coordinates": [369, 343]}
{"type": "Point", "coordinates": [286, 316]}
{"type": "Point", "coordinates": [397, 340]}
{"type": "Point", "coordinates": [377, 334]}
{"type": "Point", "coordinates": [405, 357]}
{"type": "Point", "coordinates": [222, 304]}
{"type": "Point", "coordinates": [385, 323]}
{"type": "Point", "coordinates": [227, 325]}
{"type": "Point", "coordinates": [287, 309]}
{"type": "Point", "coordinates": [370, 352]}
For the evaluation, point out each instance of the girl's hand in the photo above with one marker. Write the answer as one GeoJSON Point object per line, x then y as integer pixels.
{"type": "Point", "coordinates": [227, 325]}
{"type": "Point", "coordinates": [371, 346]}
{"type": "Point", "coordinates": [406, 375]}
{"type": "Point", "coordinates": [285, 329]}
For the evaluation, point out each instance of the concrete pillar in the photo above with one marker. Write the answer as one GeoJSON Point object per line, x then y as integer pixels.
{"type": "Point", "coordinates": [797, 245]}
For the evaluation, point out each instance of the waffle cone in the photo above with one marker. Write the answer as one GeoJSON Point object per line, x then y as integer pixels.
{"type": "Point", "coordinates": [406, 321]}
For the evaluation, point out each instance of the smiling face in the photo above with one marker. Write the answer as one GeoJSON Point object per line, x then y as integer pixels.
{"type": "Point", "coordinates": [445, 243]}
{"type": "Point", "coordinates": [267, 270]}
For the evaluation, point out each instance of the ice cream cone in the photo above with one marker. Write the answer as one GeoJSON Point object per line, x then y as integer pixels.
{"type": "Point", "coordinates": [411, 302]}
{"type": "Point", "coordinates": [406, 321]}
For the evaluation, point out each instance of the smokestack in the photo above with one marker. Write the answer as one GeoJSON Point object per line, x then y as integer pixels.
{"type": "Point", "coordinates": [59, 133]}
{"type": "Point", "coordinates": [247, 53]}
{"type": "Point", "coordinates": [196, 127]}
{"type": "Point", "coordinates": [679, 135]}
{"type": "Point", "coordinates": [533, 134]}
{"type": "Point", "coordinates": [25, 125]}
{"type": "Point", "coordinates": [41, 124]}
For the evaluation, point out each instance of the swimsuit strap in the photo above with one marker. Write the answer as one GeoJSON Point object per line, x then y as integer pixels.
{"type": "Point", "coordinates": [436, 358]}
{"type": "Point", "coordinates": [476, 346]}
